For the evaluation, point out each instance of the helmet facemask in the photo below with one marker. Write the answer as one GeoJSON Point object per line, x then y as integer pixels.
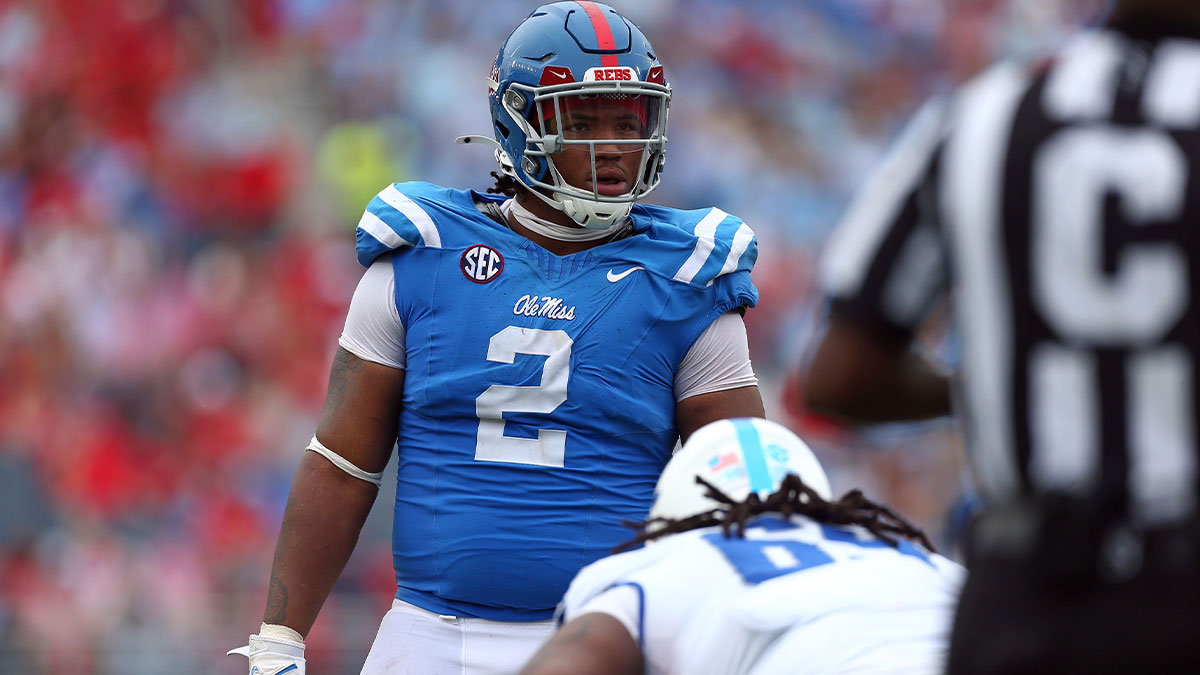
{"type": "Point", "coordinates": [602, 121]}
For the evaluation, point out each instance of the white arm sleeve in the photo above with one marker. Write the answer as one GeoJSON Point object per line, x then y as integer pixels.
{"type": "Point", "coordinates": [718, 360]}
{"type": "Point", "coordinates": [373, 329]}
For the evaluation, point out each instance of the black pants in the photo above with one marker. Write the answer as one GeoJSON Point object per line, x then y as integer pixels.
{"type": "Point", "coordinates": [1047, 609]}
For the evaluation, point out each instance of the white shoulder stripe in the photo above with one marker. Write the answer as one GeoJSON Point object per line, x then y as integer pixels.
{"type": "Point", "coordinates": [741, 241]}
{"type": "Point", "coordinates": [372, 225]}
{"type": "Point", "coordinates": [411, 210]}
{"type": "Point", "coordinates": [706, 231]}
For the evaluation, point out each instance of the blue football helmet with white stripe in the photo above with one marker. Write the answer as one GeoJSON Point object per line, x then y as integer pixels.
{"type": "Point", "coordinates": [737, 456]}
{"type": "Point", "coordinates": [573, 56]}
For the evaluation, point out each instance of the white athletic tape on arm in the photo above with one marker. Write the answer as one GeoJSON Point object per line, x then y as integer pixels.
{"type": "Point", "coordinates": [279, 632]}
{"type": "Point", "coordinates": [342, 463]}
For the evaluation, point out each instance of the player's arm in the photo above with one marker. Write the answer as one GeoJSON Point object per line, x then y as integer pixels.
{"type": "Point", "coordinates": [590, 644]}
{"type": "Point", "coordinates": [327, 505]}
{"type": "Point", "coordinates": [338, 479]}
{"type": "Point", "coordinates": [715, 380]}
{"type": "Point", "coordinates": [696, 411]}
{"type": "Point", "coordinates": [331, 496]}
{"type": "Point", "coordinates": [867, 376]}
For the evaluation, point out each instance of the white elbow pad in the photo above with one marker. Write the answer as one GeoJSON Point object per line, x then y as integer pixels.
{"type": "Point", "coordinates": [344, 464]}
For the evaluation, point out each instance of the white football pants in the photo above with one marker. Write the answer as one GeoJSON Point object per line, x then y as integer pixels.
{"type": "Point", "coordinates": [413, 640]}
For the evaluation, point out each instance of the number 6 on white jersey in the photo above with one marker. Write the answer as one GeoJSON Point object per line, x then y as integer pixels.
{"type": "Point", "coordinates": [549, 448]}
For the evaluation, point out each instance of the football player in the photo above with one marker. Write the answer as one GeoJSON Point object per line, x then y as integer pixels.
{"type": "Point", "coordinates": [533, 356]}
{"type": "Point", "coordinates": [751, 567]}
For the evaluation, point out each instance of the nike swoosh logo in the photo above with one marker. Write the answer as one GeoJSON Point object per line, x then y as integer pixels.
{"type": "Point", "coordinates": [617, 277]}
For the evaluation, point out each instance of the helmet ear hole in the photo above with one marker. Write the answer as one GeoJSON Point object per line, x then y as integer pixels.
{"type": "Point", "coordinates": [530, 166]}
{"type": "Point", "coordinates": [515, 100]}
{"type": "Point", "coordinates": [503, 129]}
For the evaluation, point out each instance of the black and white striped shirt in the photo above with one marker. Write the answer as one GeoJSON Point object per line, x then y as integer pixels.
{"type": "Point", "coordinates": [1060, 206]}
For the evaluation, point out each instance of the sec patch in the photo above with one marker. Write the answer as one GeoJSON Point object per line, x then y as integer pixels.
{"type": "Point", "coordinates": [481, 263]}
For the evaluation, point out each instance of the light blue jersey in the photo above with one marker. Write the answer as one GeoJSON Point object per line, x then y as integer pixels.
{"type": "Point", "coordinates": [538, 403]}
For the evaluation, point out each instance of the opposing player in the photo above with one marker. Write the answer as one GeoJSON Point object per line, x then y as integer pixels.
{"type": "Point", "coordinates": [751, 567]}
{"type": "Point", "coordinates": [534, 359]}
{"type": "Point", "coordinates": [1060, 203]}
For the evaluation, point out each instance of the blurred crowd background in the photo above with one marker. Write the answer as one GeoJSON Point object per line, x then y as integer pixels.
{"type": "Point", "coordinates": [179, 183]}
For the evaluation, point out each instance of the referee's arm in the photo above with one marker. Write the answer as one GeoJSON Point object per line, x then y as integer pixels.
{"type": "Point", "coordinates": [864, 376]}
{"type": "Point", "coordinates": [884, 270]}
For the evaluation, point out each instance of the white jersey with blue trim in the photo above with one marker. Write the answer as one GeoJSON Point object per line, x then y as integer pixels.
{"type": "Point", "coordinates": [793, 596]}
{"type": "Point", "coordinates": [538, 403]}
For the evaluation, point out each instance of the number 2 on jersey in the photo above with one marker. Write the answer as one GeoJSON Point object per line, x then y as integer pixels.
{"type": "Point", "coordinates": [549, 448]}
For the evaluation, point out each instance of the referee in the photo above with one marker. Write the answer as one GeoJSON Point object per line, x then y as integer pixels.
{"type": "Point", "coordinates": [1057, 208]}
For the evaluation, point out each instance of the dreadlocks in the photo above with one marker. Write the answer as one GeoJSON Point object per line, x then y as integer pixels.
{"type": "Point", "coordinates": [792, 497]}
{"type": "Point", "coordinates": [505, 185]}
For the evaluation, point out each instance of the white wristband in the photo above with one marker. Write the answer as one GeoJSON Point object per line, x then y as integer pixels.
{"type": "Point", "coordinates": [344, 464]}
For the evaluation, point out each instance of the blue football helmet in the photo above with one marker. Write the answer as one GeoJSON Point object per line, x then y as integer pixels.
{"type": "Point", "coordinates": [565, 57]}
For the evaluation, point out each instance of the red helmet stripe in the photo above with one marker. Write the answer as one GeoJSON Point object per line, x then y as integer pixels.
{"type": "Point", "coordinates": [604, 36]}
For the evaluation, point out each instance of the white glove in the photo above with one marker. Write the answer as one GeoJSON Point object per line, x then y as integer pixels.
{"type": "Point", "coordinates": [275, 651]}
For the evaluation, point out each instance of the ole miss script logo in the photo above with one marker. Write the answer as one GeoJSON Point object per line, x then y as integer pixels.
{"type": "Point", "coordinates": [481, 263]}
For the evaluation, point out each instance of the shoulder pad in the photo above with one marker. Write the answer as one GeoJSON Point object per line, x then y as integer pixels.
{"type": "Point", "coordinates": [394, 219]}
{"type": "Point", "coordinates": [723, 244]}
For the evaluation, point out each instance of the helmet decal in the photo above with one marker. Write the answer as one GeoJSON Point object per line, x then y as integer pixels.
{"type": "Point", "coordinates": [739, 457]}
{"type": "Point", "coordinates": [556, 75]}
{"type": "Point", "coordinates": [754, 456]}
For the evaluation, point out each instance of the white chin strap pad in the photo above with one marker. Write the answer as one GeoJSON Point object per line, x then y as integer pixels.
{"type": "Point", "coordinates": [594, 215]}
{"type": "Point", "coordinates": [553, 230]}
